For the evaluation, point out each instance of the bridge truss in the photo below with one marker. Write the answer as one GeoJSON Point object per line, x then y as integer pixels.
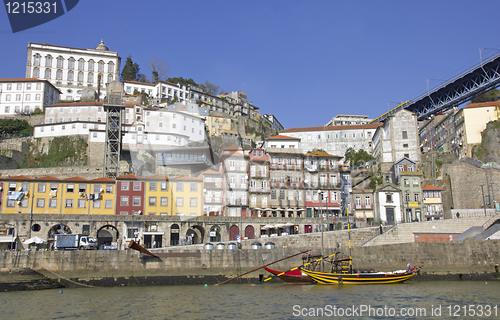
{"type": "Point", "coordinates": [466, 86]}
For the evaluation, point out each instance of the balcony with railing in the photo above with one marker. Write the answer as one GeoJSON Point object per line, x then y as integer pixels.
{"type": "Point", "coordinates": [259, 189]}
{"type": "Point", "coordinates": [258, 174]}
{"type": "Point", "coordinates": [213, 185]}
{"type": "Point", "coordinates": [363, 206]}
{"type": "Point", "coordinates": [213, 199]}
{"type": "Point", "coordinates": [238, 202]}
{"type": "Point", "coordinates": [287, 184]}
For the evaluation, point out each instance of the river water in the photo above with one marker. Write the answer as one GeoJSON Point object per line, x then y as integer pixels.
{"type": "Point", "coordinates": [411, 300]}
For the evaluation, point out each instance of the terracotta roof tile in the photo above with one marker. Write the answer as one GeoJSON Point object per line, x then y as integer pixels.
{"type": "Point", "coordinates": [429, 187]}
{"type": "Point", "coordinates": [282, 137]}
{"type": "Point", "coordinates": [130, 176]}
{"type": "Point", "coordinates": [103, 179]}
{"type": "Point", "coordinates": [48, 178]}
{"type": "Point", "coordinates": [76, 179]}
{"type": "Point", "coordinates": [21, 177]}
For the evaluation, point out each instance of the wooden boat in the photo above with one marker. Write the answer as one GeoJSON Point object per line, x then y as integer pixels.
{"type": "Point", "coordinates": [361, 278]}
{"type": "Point", "coordinates": [294, 276]}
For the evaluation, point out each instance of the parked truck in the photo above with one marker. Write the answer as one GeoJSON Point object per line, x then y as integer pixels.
{"type": "Point", "coordinates": [74, 241]}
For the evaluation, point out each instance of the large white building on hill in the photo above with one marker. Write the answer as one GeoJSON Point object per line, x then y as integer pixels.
{"type": "Point", "coordinates": [72, 69]}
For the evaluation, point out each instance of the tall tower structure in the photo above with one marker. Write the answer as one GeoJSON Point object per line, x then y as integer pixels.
{"type": "Point", "coordinates": [114, 113]}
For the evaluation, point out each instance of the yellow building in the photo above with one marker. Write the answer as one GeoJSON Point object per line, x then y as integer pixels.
{"type": "Point", "coordinates": [186, 196]}
{"type": "Point", "coordinates": [216, 124]}
{"type": "Point", "coordinates": [104, 191]}
{"type": "Point", "coordinates": [157, 196]}
{"type": "Point", "coordinates": [17, 195]}
{"type": "Point", "coordinates": [82, 196]}
{"type": "Point", "coordinates": [470, 121]}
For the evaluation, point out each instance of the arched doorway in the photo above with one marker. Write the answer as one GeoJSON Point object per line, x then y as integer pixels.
{"type": "Point", "coordinates": [174, 235]}
{"type": "Point", "coordinates": [107, 235]}
{"type": "Point", "coordinates": [249, 232]}
{"type": "Point", "coordinates": [215, 234]}
{"type": "Point", "coordinates": [195, 235]}
{"type": "Point", "coordinates": [58, 229]}
{"type": "Point", "coordinates": [234, 231]}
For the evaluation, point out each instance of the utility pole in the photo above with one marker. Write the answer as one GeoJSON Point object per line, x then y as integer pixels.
{"type": "Point", "coordinates": [484, 202]}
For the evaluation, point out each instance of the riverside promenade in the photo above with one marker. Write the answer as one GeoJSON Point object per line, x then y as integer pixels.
{"type": "Point", "coordinates": [196, 264]}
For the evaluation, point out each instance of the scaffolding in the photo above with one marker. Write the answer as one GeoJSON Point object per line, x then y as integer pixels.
{"type": "Point", "coordinates": [113, 142]}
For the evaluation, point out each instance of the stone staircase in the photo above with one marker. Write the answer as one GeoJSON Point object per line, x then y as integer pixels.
{"type": "Point", "coordinates": [404, 232]}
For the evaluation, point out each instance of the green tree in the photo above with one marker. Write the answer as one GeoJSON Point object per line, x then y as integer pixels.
{"type": "Point", "coordinates": [360, 157]}
{"type": "Point", "coordinates": [9, 126]}
{"type": "Point", "coordinates": [130, 71]}
{"type": "Point", "coordinates": [349, 153]}
{"type": "Point", "coordinates": [182, 81]}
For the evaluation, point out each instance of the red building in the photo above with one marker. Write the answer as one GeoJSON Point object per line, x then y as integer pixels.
{"type": "Point", "coordinates": [129, 195]}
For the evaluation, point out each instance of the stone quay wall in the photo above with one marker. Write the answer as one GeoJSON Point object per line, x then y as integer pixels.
{"type": "Point", "coordinates": [460, 259]}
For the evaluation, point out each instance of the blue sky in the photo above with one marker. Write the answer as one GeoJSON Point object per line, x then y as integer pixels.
{"type": "Point", "coordinates": [303, 61]}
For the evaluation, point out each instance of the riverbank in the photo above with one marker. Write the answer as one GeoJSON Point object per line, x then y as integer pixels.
{"type": "Point", "coordinates": [454, 260]}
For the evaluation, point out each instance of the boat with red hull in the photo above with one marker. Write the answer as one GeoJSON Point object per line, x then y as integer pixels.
{"type": "Point", "coordinates": [295, 276]}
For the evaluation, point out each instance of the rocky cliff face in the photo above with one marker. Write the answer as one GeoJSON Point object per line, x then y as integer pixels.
{"type": "Point", "coordinates": [489, 149]}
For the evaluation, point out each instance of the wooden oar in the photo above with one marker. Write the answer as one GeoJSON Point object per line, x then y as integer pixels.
{"type": "Point", "coordinates": [262, 267]}
{"type": "Point", "coordinates": [293, 269]}
{"type": "Point", "coordinates": [134, 245]}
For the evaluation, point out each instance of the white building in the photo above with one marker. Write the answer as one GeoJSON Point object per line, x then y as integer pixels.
{"type": "Point", "coordinates": [334, 139]}
{"type": "Point", "coordinates": [72, 69]}
{"type": "Point", "coordinates": [282, 142]}
{"type": "Point", "coordinates": [159, 90]}
{"type": "Point", "coordinates": [397, 138]}
{"type": "Point", "coordinates": [142, 127]}
{"type": "Point", "coordinates": [348, 120]}
{"type": "Point", "coordinates": [23, 96]}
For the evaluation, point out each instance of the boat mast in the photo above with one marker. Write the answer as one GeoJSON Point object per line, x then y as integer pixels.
{"type": "Point", "coordinates": [349, 232]}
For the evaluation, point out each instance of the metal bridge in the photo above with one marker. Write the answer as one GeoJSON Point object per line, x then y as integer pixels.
{"type": "Point", "coordinates": [473, 82]}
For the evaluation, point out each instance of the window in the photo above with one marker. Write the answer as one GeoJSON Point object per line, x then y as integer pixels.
{"type": "Point", "coordinates": [405, 134]}
{"type": "Point", "coordinates": [406, 182]}
{"type": "Point", "coordinates": [81, 203]}
{"type": "Point", "coordinates": [70, 188]}
{"type": "Point", "coordinates": [152, 186]}
{"type": "Point", "coordinates": [40, 203]}
{"type": "Point", "coordinates": [52, 203]}
{"type": "Point", "coordinates": [124, 201]}
{"type": "Point", "coordinates": [163, 201]}
{"type": "Point", "coordinates": [97, 188]}
{"type": "Point", "coordinates": [193, 202]}
{"type": "Point", "coordinates": [108, 204]}
{"type": "Point", "coordinates": [136, 201]}
{"type": "Point", "coordinates": [179, 202]}
{"type": "Point", "coordinates": [125, 185]}
{"type": "Point", "coordinates": [415, 181]}
{"type": "Point", "coordinates": [273, 194]}
{"type": "Point", "coordinates": [109, 188]}
{"type": "Point", "coordinates": [405, 145]}
{"type": "Point", "coordinates": [41, 187]}
{"type": "Point", "coordinates": [7, 97]}
{"type": "Point", "coordinates": [69, 203]}
{"type": "Point", "coordinates": [137, 186]}
{"type": "Point", "coordinates": [152, 201]}
{"type": "Point", "coordinates": [193, 187]}
{"type": "Point", "coordinates": [368, 201]}
{"type": "Point", "coordinates": [388, 197]}
{"type": "Point", "coordinates": [164, 186]}
{"type": "Point", "coordinates": [416, 197]}
{"type": "Point", "coordinates": [179, 186]}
